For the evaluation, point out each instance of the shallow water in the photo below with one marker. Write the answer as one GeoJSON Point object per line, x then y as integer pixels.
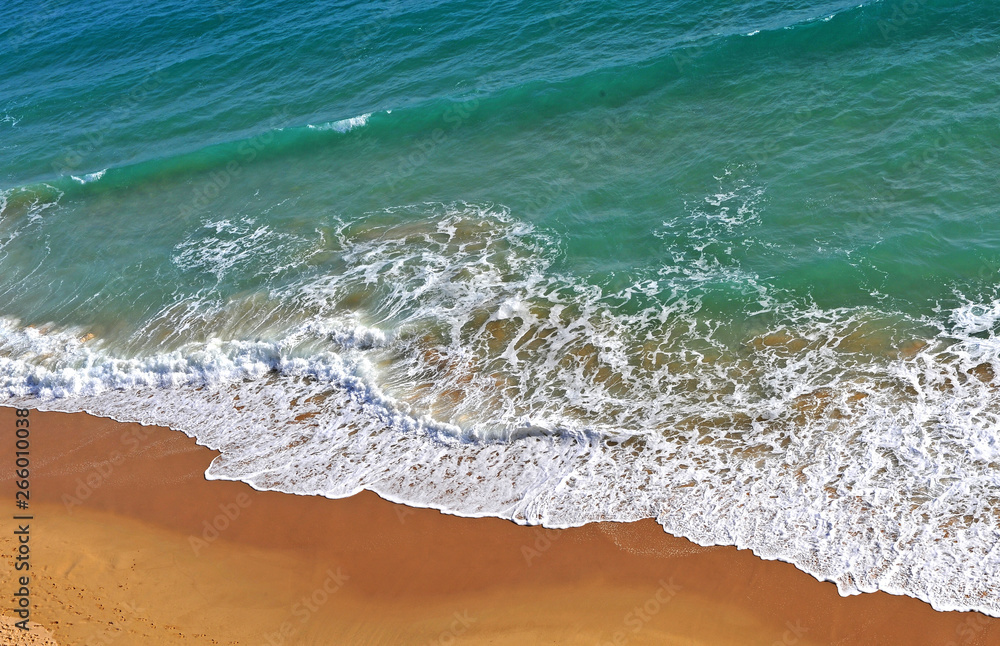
{"type": "Point", "coordinates": [730, 266]}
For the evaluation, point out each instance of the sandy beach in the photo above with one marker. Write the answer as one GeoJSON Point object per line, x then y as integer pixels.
{"type": "Point", "coordinates": [131, 545]}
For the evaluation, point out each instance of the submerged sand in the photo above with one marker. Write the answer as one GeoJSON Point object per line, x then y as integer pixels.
{"type": "Point", "coordinates": [131, 545]}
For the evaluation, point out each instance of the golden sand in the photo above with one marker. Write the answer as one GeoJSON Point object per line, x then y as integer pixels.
{"type": "Point", "coordinates": [131, 545]}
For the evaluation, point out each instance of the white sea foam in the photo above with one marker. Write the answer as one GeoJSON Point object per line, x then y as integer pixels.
{"type": "Point", "coordinates": [221, 246]}
{"type": "Point", "coordinates": [90, 177]}
{"type": "Point", "coordinates": [21, 209]}
{"type": "Point", "coordinates": [344, 125]}
{"type": "Point", "coordinates": [974, 318]}
{"type": "Point", "coordinates": [445, 363]}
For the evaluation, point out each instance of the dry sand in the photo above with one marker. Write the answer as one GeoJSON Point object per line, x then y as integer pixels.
{"type": "Point", "coordinates": [131, 545]}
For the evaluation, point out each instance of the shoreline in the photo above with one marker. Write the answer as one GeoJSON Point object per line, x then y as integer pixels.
{"type": "Point", "coordinates": [133, 543]}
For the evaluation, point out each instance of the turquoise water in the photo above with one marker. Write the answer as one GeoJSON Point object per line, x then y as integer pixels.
{"type": "Point", "coordinates": [730, 265]}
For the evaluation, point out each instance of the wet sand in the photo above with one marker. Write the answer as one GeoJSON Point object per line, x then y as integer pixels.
{"type": "Point", "coordinates": [131, 545]}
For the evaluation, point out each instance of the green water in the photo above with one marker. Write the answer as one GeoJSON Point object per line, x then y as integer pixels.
{"type": "Point", "coordinates": [481, 222]}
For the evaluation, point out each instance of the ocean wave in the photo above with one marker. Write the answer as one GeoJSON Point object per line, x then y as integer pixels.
{"type": "Point", "coordinates": [343, 125]}
{"type": "Point", "coordinates": [221, 246]}
{"type": "Point", "coordinates": [447, 363]}
{"type": "Point", "coordinates": [90, 177]}
{"type": "Point", "coordinates": [809, 17]}
{"type": "Point", "coordinates": [266, 143]}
